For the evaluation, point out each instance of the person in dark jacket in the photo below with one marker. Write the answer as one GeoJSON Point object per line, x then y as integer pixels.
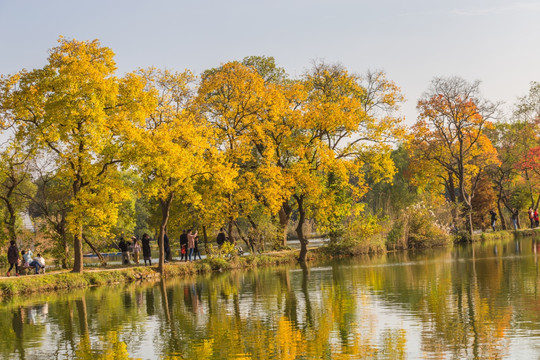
{"type": "Point", "coordinates": [13, 257]}
{"type": "Point", "coordinates": [124, 248]}
{"type": "Point", "coordinates": [221, 238]}
{"type": "Point", "coordinates": [166, 248]}
{"type": "Point", "coordinates": [183, 246]}
{"type": "Point", "coordinates": [493, 218]}
{"type": "Point", "coordinates": [196, 249]}
{"type": "Point", "coordinates": [147, 253]}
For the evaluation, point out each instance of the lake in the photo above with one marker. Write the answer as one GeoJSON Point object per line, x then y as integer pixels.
{"type": "Point", "coordinates": [480, 301]}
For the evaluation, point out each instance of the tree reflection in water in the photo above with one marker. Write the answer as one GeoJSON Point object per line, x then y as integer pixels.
{"type": "Point", "coordinates": [466, 302]}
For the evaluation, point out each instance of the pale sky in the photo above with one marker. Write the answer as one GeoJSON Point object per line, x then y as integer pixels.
{"type": "Point", "coordinates": [495, 41]}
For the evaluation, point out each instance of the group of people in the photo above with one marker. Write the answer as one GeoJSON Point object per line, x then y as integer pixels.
{"type": "Point", "coordinates": [533, 217]}
{"type": "Point", "coordinates": [189, 245]}
{"type": "Point", "coordinates": [189, 248]}
{"type": "Point", "coordinates": [14, 260]}
{"type": "Point", "coordinates": [134, 248]}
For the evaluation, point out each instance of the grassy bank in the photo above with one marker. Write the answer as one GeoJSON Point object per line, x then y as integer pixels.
{"type": "Point", "coordinates": [24, 285]}
{"type": "Point", "coordinates": [506, 234]}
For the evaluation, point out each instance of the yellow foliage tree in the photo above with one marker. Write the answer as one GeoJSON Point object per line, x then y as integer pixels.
{"type": "Point", "coordinates": [172, 147]}
{"type": "Point", "coordinates": [75, 107]}
{"type": "Point", "coordinates": [233, 98]}
{"type": "Point", "coordinates": [344, 133]}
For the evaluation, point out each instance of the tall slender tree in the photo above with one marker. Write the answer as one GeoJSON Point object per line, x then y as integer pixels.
{"type": "Point", "coordinates": [449, 135]}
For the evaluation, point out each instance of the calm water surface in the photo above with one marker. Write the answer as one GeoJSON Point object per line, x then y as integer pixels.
{"type": "Point", "coordinates": [465, 302]}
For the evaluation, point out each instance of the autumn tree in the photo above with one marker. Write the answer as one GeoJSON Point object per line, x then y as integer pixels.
{"type": "Point", "coordinates": [232, 98]}
{"type": "Point", "coordinates": [284, 97]}
{"type": "Point", "coordinates": [344, 134]}
{"type": "Point", "coordinates": [526, 131]}
{"type": "Point", "coordinates": [511, 175]}
{"type": "Point", "coordinates": [75, 107]}
{"type": "Point", "coordinates": [172, 146]}
{"type": "Point", "coordinates": [449, 137]}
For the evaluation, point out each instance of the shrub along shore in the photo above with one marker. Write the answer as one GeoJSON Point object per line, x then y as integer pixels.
{"type": "Point", "coordinates": [65, 280]}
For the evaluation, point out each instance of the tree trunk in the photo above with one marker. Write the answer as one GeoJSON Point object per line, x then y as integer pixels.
{"type": "Point", "coordinates": [300, 228]}
{"type": "Point", "coordinates": [230, 230]}
{"type": "Point", "coordinates": [284, 217]}
{"type": "Point", "coordinates": [66, 251]}
{"type": "Point", "coordinates": [12, 224]}
{"type": "Point", "coordinates": [10, 216]}
{"type": "Point", "coordinates": [503, 221]}
{"type": "Point", "coordinates": [469, 223]}
{"type": "Point", "coordinates": [205, 236]}
{"type": "Point", "coordinates": [257, 240]}
{"type": "Point", "coordinates": [165, 211]}
{"type": "Point", "coordinates": [452, 196]}
{"type": "Point", "coordinates": [530, 188]}
{"type": "Point", "coordinates": [241, 234]}
{"type": "Point", "coordinates": [78, 265]}
{"type": "Point", "coordinates": [101, 259]}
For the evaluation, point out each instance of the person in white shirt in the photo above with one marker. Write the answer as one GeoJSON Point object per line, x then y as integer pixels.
{"type": "Point", "coordinates": [136, 250]}
{"type": "Point", "coordinates": [38, 263]}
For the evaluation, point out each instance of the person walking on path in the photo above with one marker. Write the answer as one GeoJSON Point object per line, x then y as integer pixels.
{"type": "Point", "coordinates": [515, 214]}
{"type": "Point", "coordinates": [221, 238]}
{"type": "Point", "coordinates": [13, 257]}
{"type": "Point", "coordinates": [183, 246]}
{"type": "Point", "coordinates": [123, 245]}
{"type": "Point", "coordinates": [536, 219]}
{"type": "Point", "coordinates": [191, 243]}
{"type": "Point", "coordinates": [531, 217]}
{"type": "Point", "coordinates": [136, 250]}
{"type": "Point", "coordinates": [147, 252]}
{"type": "Point", "coordinates": [196, 249]}
{"type": "Point", "coordinates": [493, 218]}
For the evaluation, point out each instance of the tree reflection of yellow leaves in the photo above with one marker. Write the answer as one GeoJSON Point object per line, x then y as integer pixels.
{"type": "Point", "coordinates": [204, 349]}
{"type": "Point", "coordinates": [111, 348]}
{"type": "Point", "coordinates": [290, 341]}
{"type": "Point", "coordinates": [394, 344]}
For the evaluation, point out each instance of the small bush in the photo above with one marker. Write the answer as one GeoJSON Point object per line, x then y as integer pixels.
{"type": "Point", "coordinates": [462, 236]}
{"type": "Point", "coordinates": [418, 227]}
{"type": "Point", "coordinates": [360, 235]}
{"type": "Point", "coordinates": [219, 264]}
